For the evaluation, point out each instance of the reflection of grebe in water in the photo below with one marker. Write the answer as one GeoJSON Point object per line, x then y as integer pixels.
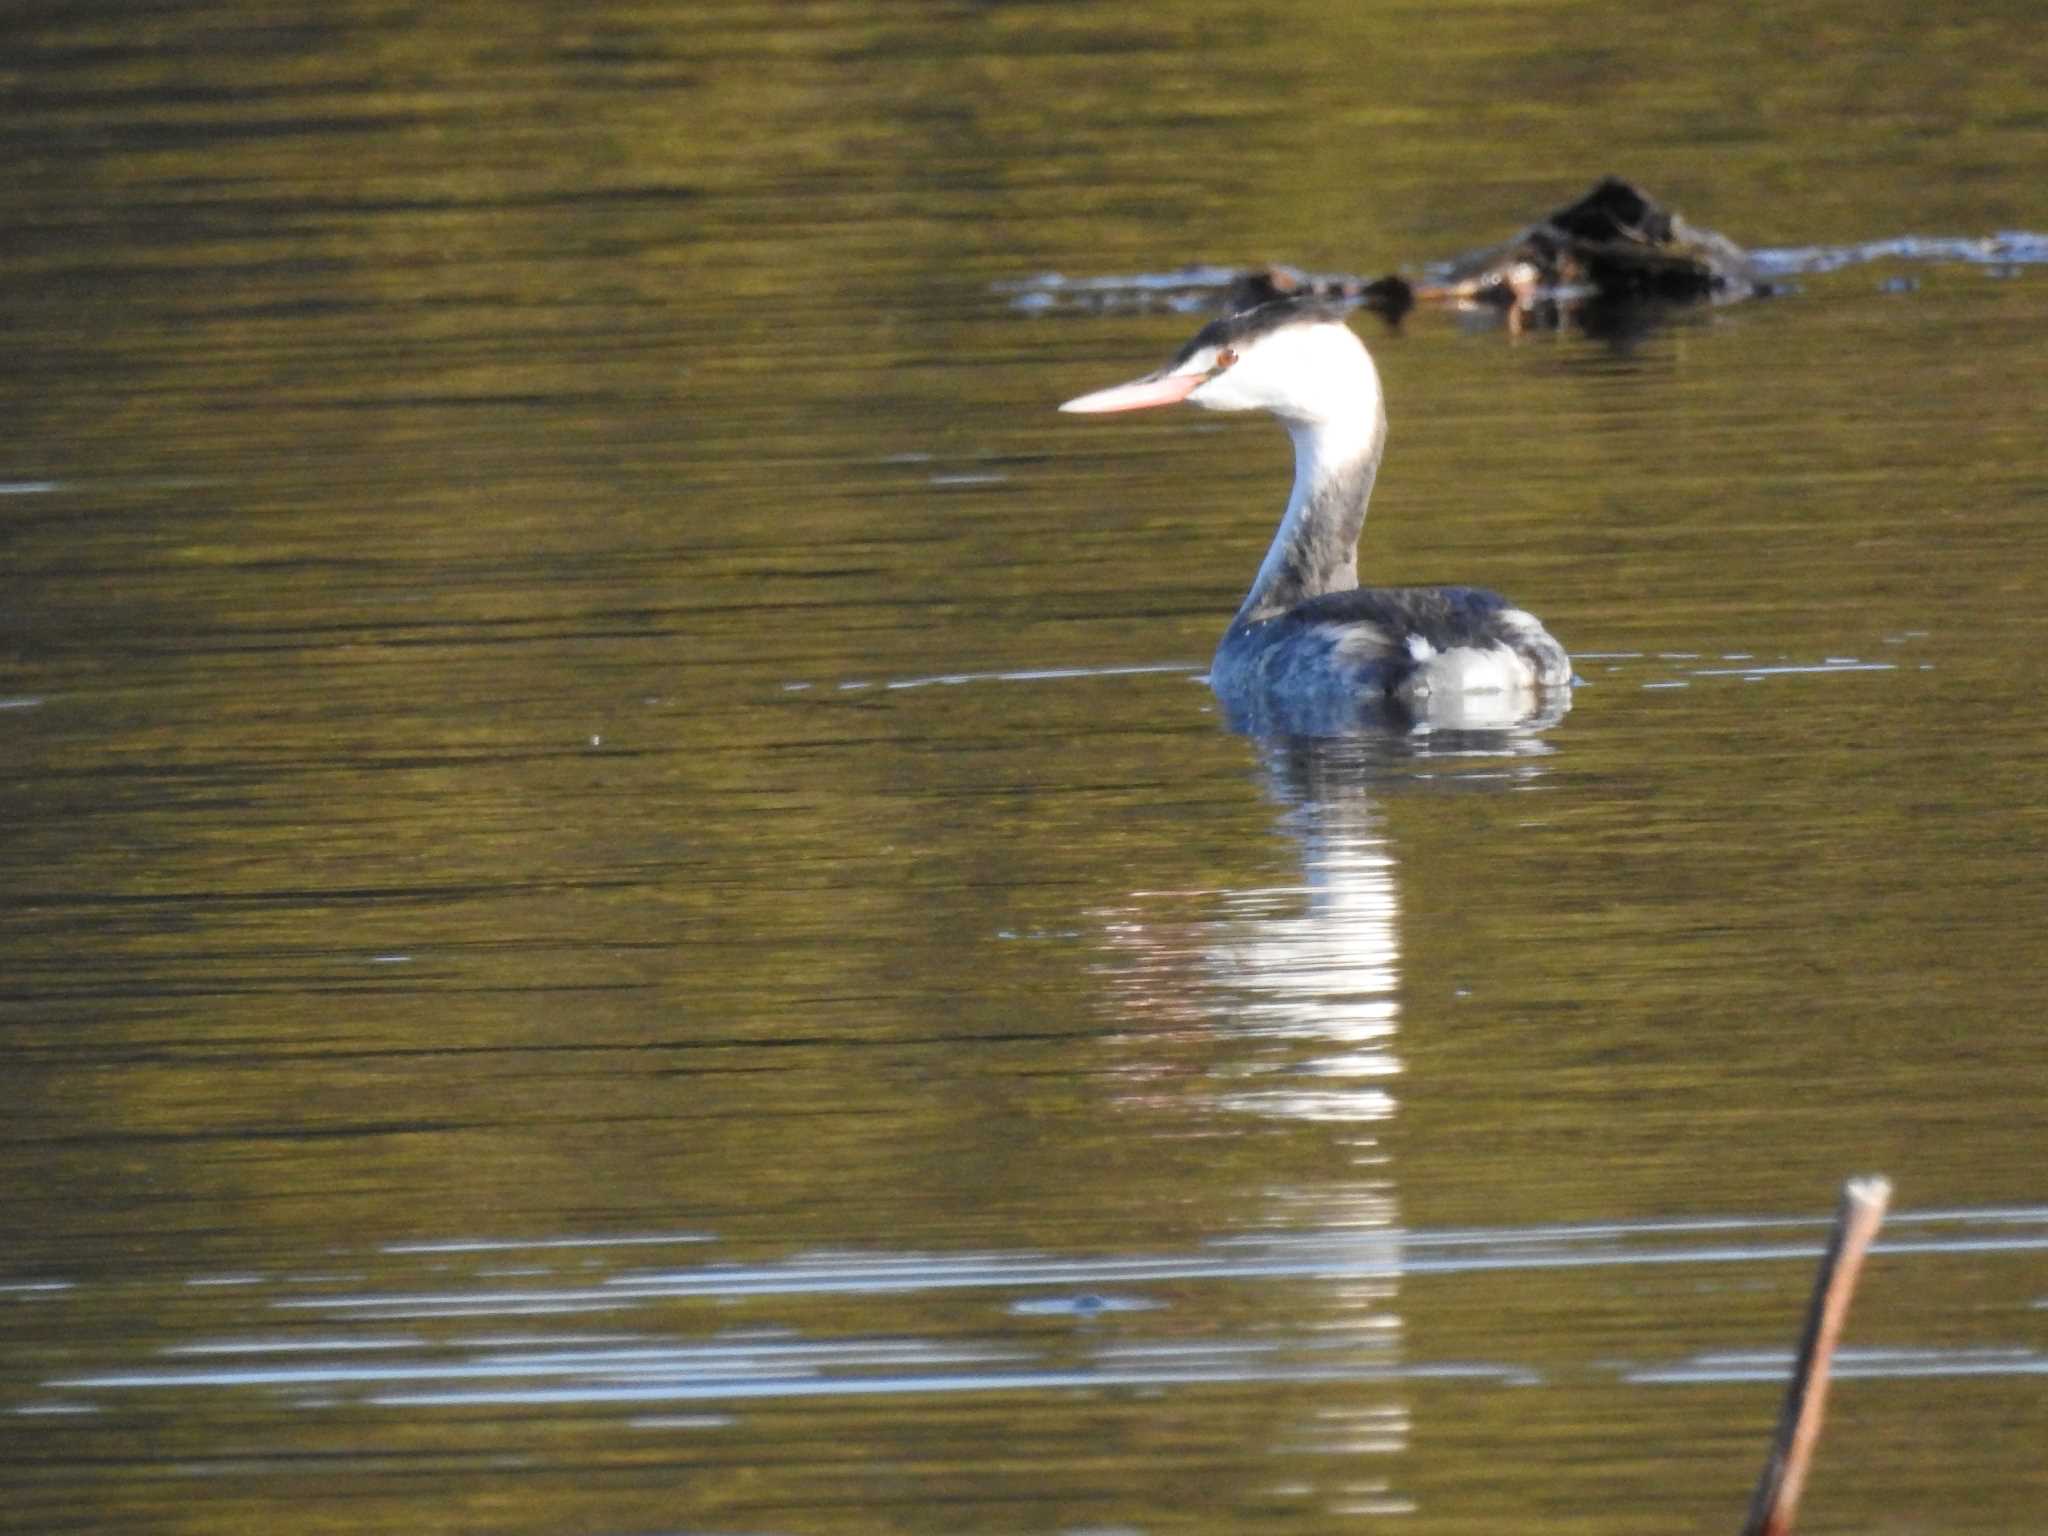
{"type": "Point", "coordinates": [1310, 650]}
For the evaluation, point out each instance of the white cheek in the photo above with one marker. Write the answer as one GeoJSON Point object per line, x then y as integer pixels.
{"type": "Point", "coordinates": [1226, 392]}
{"type": "Point", "coordinates": [1311, 373]}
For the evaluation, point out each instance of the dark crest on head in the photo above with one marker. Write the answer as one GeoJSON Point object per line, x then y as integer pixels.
{"type": "Point", "coordinates": [1241, 330]}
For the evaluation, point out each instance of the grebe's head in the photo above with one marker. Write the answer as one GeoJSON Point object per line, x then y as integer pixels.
{"type": "Point", "coordinates": [1294, 357]}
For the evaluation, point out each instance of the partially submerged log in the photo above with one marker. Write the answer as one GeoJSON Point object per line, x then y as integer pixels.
{"type": "Point", "coordinates": [1615, 249]}
{"type": "Point", "coordinates": [1615, 243]}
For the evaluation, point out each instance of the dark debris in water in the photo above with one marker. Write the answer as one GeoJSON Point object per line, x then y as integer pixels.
{"type": "Point", "coordinates": [1616, 243]}
{"type": "Point", "coordinates": [1611, 261]}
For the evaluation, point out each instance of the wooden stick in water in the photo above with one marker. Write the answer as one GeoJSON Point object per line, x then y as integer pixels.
{"type": "Point", "coordinates": [1776, 1499]}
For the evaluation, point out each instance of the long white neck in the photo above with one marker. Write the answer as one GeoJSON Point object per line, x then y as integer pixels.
{"type": "Point", "coordinates": [1315, 550]}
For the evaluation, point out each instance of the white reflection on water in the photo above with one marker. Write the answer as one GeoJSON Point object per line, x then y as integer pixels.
{"type": "Point", "coordinates": [1019, 675]}
{"type": "Point", "coordinates": [1343, 1329]}
{"type": "Point", "coordinates": [1893, 1364]}
{"type": "Point", "coordinates": [1317, 971]}
{"type": "Point", "coordinates": [1300, 985]}
{"type": "Point", "coordinates": [529, 1245]}
{"type": "Point", "coordinates": [1487, 732]}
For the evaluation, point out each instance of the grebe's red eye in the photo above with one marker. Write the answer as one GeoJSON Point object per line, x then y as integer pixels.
{"type": "Point", "coordinates": [1224, 359]}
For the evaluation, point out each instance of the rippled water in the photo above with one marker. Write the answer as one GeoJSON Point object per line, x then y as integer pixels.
{"type": "Point", "coordinates": [623, 909]}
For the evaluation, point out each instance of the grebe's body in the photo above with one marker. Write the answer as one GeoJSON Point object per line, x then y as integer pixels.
{"type": "Point", "coordinates": [1310, 649]}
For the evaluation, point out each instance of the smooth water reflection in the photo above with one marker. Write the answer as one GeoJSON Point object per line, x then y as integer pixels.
{"type": "Point", "coordinates": [320, 1338]}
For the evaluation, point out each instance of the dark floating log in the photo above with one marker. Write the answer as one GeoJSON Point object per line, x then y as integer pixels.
{"type": "Point", "coordinates": [1614, 262]}
{"type": "Point", "coordinates": [1615, 259]}
{"type": "Point", "coordinates": [1616, 243]}
{"type": "Point", "coordinates": [1610, 260]}
{"type": "Point", "coordinates": [1776, 1499]}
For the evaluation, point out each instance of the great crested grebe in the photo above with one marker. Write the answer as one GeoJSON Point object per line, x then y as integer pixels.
{"type": "Point", "coordinates": [1311, 650]}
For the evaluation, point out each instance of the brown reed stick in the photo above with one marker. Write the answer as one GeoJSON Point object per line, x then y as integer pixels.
{"type": "Point", "coordinates": [1776, 1499]}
